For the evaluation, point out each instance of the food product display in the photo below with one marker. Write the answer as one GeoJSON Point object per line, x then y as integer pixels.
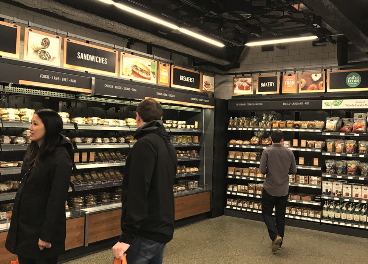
{"type": "Point", "coordinates": [185, 185]}
{"type": "Point", "coordinates": [303, 179]}
{"type": "Point", "coordinates": [345, 167]}
{"type": "Point", "coordinates": [180, 124]}
{"type": "Point", "coordinates": [184, 139]}
{"type": "Point", "coordinates": [303, 212]}
{"type": "Point", "coordinates": [244, 155]}
{"type": "Point", "coordinates": [186, 153]}
{"type": "Point", "coordinates": [184, 169]}
{"type": "Point", "coordinates": [346, 213]}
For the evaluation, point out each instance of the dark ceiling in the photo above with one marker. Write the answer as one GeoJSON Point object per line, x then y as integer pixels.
{"type": "Point", "coordinates": [232, 22]}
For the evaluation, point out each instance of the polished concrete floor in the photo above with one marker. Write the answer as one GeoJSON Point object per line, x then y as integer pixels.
{"type": "Point", "coordinates": [233, 240]}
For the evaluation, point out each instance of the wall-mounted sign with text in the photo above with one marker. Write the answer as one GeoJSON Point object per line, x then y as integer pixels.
{"type": "Point", "coordinates": [185, 78]}
{"type": "Point", "coordinates": [289, 83]}
{"type": "Point", "coordinates": [138, 68]}
{"type": "Point", "coordinates": [208, 84]}
{"type": "Point", "coordinates": [87, 57]}
{"type": "Point", "coordinates": [10, 40]}
{"type": "Point", "coordinates": [163, 74]}
{"type": "Point", "coordinates": [268, 84]}
{"type": "Point", "coordinates": [42, 47]}
{"type": "Point", "coordinates": [312, 82]}
{"type": "Point", "coordinates": [118, 89]}
{"type": "Point", "coordinates": [274, 105]}
{"type": "Point", "coordinates": [347, 80]}
{"type": "Point", "coordinates": [345, 104]}
{"type": "Point", "coordinates": [243, 85]}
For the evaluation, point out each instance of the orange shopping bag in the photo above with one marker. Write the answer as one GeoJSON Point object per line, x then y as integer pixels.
{"type": "Point", "coordinates": [15, 262]}
{"type": "Point", "coordinates": [119, 261]}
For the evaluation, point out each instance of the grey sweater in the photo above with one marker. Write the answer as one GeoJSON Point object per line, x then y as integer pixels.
{"type": "Point", "coordinates": [277, 162]}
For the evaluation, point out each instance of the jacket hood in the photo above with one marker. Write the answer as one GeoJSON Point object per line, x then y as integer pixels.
{"type": "Point", "coordinates": [64, 142]}
{"type": "Point", "coordinates": [155, 126]}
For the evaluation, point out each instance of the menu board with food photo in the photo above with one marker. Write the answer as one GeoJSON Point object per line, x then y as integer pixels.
{"type": "Point", "coordinates": [42, 47]}
{"type": "Point", "coordinates": [312, 82]}
{"type": "Point", "coordinates": [10, 40]}
{"type": "Point", "coordinates": [163, 74]}
{"type": "Point", "coordinates": [208, 84]}
{"type": "Point", "coordinates": [138, 68]}
{"type": "Point", "coordinates": [242, 85]}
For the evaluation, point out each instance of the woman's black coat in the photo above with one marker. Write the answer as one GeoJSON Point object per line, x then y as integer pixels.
{"type": "Point", "coordinates": [39, 206]}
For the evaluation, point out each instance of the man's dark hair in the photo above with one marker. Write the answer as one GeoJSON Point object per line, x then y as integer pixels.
{"type": "Point", "coordinates": [277, 136]}
{"type": "Point", "coordinates": [149, 110]}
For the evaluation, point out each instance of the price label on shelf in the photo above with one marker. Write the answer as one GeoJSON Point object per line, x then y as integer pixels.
{"type": "Point", "coordinates": [328, 176]}
{"type": "Point", "coordinates": [227, 207]}
{"type": "Point", "coordinates": [238, 208]}
{"type": "Point", "coordinates": [237, 177]}
{"type": "Point", "coordinates": [252, 147]}
{"type": "Point", "coordinates": [342, 134]}
{"type": "Point", "coordinates": [348, 224]}
{"type": "Point", "coordinates": [309, 150]}
{"type": "Point", "coordinates": [234, 128]}
{"type": "Point", "coordinates": [363, 201]}
{"type": "Point", "coordinates": [361, 156]}
{"type": "Point", "coordinates": [337, 154]}
{"type": "Point", "coordinates": [356, 201]}
{"type": "Point", "coordinates": [336, 199]}
{"type": "Point", "coordinates": [236, 160]}
{"type": "Point", "coordinates": [327, 134]}
{"type": "Point", "coordinates": [339, 177]}
{"type": "Point", "coordinates": [230, 177]}
{"type": "Point", "coordinates": [361, 178]}
{"type": "Point", "coordinates": [243, 209]}
{"type": "Point", "coordinates": [350, 178]}
{"type": "Point", "coordinates": [229, 160]}
{"type": "Point", "coordinates": [248, 210]}
{"type": "Point", "coordinates": [237, 146]}
{"type": "Point", "coordinates": [362, 226]}
{"type": "Point", "coordinates": [327, 153]}
{"type": "Point", "coordinates": [357, 135]}
{"type": "Point", "coordinates": [228, 192]}
{"type": "Point", "coordinates": [355, 225]}
{"type": "Point", "coordinates": [231, 146]}
{"type": "Point", "coordinates": [250, 195]}
{"type": "Point", "coordinates": [346, 200]}
{"type": "Point", "coordinates": [250, 178]}
{"type": "Point", "coordinates": [349, 155]}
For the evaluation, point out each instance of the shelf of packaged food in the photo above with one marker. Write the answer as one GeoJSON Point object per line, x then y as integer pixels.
{"type": "Point", "coordinates": [345, 177]}
{"type": "Point", "coordinates": [7, 196]}
{"type": "Point", "coordinates": [297, 217]}
{"type": "Point", "coordinates": [187, 174]}
{"type": "Point", "coordinates": [243, 161]}
{"type": "Point", "coordinates": [345, 199]}
{"type": "Point", "coordinates": [271, 129]}
{"type": "Point", "coordinates": [14, 147]}
{"type": "Point", "coordinates": [355, 155]}
{"type": "Point", "coordinates": [103, 146]}
{"type": "Point", "coordinates": [345, 134]}
{"type": "Point", "coordinates": [184, 145]}
{"type": "Point", "coordinates": [302, 167]}
{"type": "Point", "coordinates": [245, 178]}
{"type": "Point", "coordinates": [189, 192]}
{"type": "Point", "coordinates": [99, 165]}
{"type": "Point", "coordinates": [189, 159]}
{"type": "Point", "coordinates": [85, 187]}
{"type": "Point", "coordinates": [4, 225]}
{"type": "Point", "coordinates": [333, 222]}
{"type": "Point", "coordinates": [305, 185]}
{"type": "Point", "coordinates": [10, 171]}
{"type": "Point", "coordinates": [304, 202]}
{"type": "Point", "coordinates": [184, 130]}
{"type": "Point", "coordinates": [251, 195]}
{"type": "Point", "coordinates": [264, 147]}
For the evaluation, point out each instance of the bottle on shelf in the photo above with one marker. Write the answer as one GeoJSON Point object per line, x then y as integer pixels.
{"type": "Point", "coordinates": [338, 212]}
{"type": "Point", "coordinates": [356, 215]}
{"type": "Point", "coordinates": [344, 212]}
{"type": "Point", "coordinates": [350, 214]}
{"type": "Point", "coordinates": [331, 211]}
{"type": "Point", "coordinates": [325, 211]}
{"type": "Point", "coordinates": [363, 215]}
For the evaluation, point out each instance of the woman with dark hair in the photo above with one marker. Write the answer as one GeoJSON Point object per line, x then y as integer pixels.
{"type": "Point", "coordinates": [38, 228]}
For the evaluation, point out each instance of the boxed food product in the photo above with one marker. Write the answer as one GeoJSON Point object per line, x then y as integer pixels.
{"type": "Point", "coordinates": [363, 146]}
{"type": "Point", "coordinates": [364, 169]}
{"type": "Point", "coordinates": [230, 170]}
{"type": "Point", "coordinates": [292, 178]}
{"type": "Point", "coordinates": [339, 146]}
{"type": "Point", "coordinates": [259, 174]}
{"type": "Point", "coordinates": [365, 191]}
{"type": "Point", "coordinates": [337, 188]}
{"type": "Point", "coordinates": [303, 143]}
{"type": "Point", "coordinates": [304, 124]}
{"type": "Point", "coordinates": [310, 143]}
{"type": "Point", "coordinates": [289, 123]}
{"type": "Point", "coordinates": [350, 146]}
{"type": "Point", "coordinates": [259, 188]}
{"type": "Point", "coordinates": [295, 142]}
{"type": "Point", "coordinates": [360, 123]}
{"type": "Point", "coordinates": [238, 155]}
{"type": "Point", "coordinates": [282, 124]}
{"type": "Point", "coordinates": [231, 155]}
{"type": "Point", "coordinates": [333, 124]}
{"type": "Point", "coordinates": [352, 167]}
{"type": "Point", "coordinates": [252, 171]}
{"type": "Point", "coordinates": [319, 144]}
{"type": "Point", "coordinates": [301, 160]}
{"type": "Point", "coordinates": [315, 180]}
{"type": "Point", "coordinates": [238, 171]}
{"type": "Point", "coordinates": [315, 161]}
{"type": "Point", "coordinates": [357, 191]}
{"type": "Point", "coordinates": [76, 157]}
{"type": "Point", "coordinates": [287, 144]}
{"type": "Point", "coordinates": [254, 155]}
{"type": "Point", "coordinates": [246, 155]}
{"type": "Point", "coordinates": [330, 166]}
{"type": "Point", "coordinates": [347, 190]}
{"type": "Point", "coordinates": [235, 188]}
{"type": "Point", "coordinates": [347, 125]}
{"type": "Point", "coordinates": [341, 166]}
{"type": "Point", "coordinates": [305, 212]}
{"type": "Point", "coordinates": [245, 172]}
{"type": "Point", "coordinates": [251, 188]}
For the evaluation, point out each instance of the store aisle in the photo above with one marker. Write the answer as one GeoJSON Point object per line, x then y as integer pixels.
{"type": "Point", "coordinates": [233, 240]}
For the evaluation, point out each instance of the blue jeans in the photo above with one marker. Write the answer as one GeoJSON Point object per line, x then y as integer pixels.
{"type": "Point", "coordinates": [145, 251]}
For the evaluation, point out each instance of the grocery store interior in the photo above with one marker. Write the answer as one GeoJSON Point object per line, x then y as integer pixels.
{"type": "Point", "coordinates": [227, 74]}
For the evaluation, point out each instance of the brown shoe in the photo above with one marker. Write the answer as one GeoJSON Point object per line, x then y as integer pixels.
{"type": "Point", "coordinates": [276, 244]}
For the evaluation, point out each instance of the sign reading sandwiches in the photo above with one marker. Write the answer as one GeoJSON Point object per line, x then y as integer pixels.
{"type": "Point", "coordinates": [138, 68]}
{"type": "Point", "coordinates": [42, 47]}
{"type": "Point", "coordinates": [87, 57]}
{"type": "Point", "coordinates": [268, 84]}
{"type": "Point", "coordinates": [10, 39]}
{"type": "Point", "coordinates": [185, 78]}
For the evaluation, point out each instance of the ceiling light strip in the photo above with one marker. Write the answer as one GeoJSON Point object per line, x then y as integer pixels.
{"type": "Point", "coordinates": [279, 41]}
{"type": "Point", "coordinates": [163, 22]}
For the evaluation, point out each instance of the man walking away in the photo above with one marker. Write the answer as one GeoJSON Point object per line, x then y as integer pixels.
{"type": "Point", "coordinates": [147, 221]}
{"type": "Point", "coordinates": [277, 162]}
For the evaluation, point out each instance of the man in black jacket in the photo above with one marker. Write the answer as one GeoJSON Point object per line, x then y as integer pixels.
{"type": "Point", "coordinates": [147, 221]}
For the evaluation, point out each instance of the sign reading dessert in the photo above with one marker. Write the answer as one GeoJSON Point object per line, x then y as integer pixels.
{"type": "Point", "coordinates": [208, 84]}
{"type": "Point", "coordinates": [163, 74]}
{"type": "Point", "coordinates": [312, 82]}
{"type": "Point", "coordinates": [185, 78]}
{"type": "Point", "coordinates": [87, 57]}
{"type": "Point", "coordinates": [268, 84]}
{"type": "Point", "coordinates": [42, 47]}
{"type": "Point", "coordinates": [10, 38]}
{"type": "Point", "coordinates": [289, 83]}
{"type": "Point", "coordinates": [138, 68]}
{"type": "Point", "coordinates": [347, 80]}
{"type": "Point", "coordinates": [243, 85]}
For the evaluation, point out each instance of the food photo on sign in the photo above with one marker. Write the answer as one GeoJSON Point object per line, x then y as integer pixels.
{"type": "Point", "coordinates": [42, 47]}
{"type": "Point", "coordinates": [208, 84]}
{"type": "Point", "coordinates": [312, 82]}
{"type": "Point", "coordinates": [242, 85]}
{"type": "Point", "coordinates": [138, 68]}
